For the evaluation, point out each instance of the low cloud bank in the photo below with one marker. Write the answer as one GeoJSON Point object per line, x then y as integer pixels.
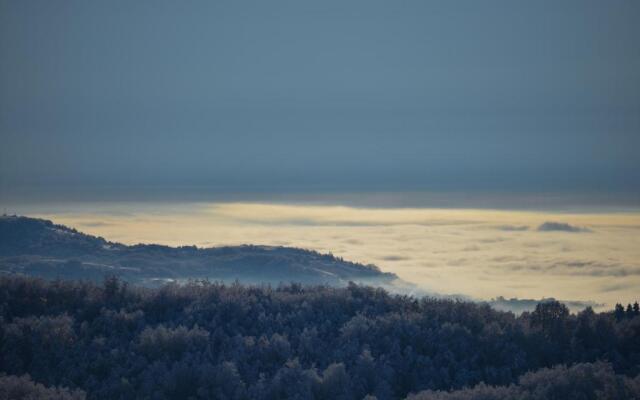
{"type": "Point", "coordinates": [550, 226]}
{"type": "Point", "coordinates": [519, 306]}
{"type": "Point", "coordinates": [481, 253]}
{"type": "Point", "coordinates": [513, 228]}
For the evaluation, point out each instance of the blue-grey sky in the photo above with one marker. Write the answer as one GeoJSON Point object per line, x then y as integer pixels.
{"type": "Point", "coordinates": [389, 95]}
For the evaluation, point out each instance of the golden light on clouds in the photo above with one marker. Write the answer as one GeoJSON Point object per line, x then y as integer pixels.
{"type": "Point", "coordinates": [479, 253]}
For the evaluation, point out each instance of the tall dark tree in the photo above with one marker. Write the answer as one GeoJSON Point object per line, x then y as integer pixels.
{"type": "Point", "coordinates": [619, 312]}
{"type": "Point", "coordinates": [629, 313]}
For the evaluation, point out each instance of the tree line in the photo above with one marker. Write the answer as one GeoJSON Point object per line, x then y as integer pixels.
{"type": "Point", "coordinates": [208, 340]}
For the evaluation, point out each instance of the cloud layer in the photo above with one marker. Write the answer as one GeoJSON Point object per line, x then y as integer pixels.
{"type": "Point", "coordinates": [478, 253]}
{"type": "Point", "coordinates": [551, 226]}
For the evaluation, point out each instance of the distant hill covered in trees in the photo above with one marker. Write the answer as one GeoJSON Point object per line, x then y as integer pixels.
{"type": "Point", "coordinates": [201, 340]}
{"type": "Point", "coordinates": [39, 247]}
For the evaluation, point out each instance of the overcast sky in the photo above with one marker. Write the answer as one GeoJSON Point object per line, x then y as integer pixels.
{"type": "Point", "coordinates": [393, 95]}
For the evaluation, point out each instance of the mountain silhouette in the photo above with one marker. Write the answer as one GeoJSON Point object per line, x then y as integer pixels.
{"type": "Point", "coordinates": [39, 247]}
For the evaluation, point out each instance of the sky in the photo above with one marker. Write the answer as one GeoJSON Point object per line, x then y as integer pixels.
{"type": "Point", "coordinates": [331, 95]}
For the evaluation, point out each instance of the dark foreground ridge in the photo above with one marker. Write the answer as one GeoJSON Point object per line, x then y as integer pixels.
{"type": "Point", "coordinates": [39, 247]}
{"type": "Point", "coordinates": [68, 339]}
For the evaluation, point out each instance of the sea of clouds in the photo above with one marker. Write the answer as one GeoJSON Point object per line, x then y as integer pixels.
{"type": "Point", "coordinates": [587, 258]}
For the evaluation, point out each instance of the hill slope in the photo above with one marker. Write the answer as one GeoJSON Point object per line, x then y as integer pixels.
{"type": "Point", "coordinates": [41, 248]}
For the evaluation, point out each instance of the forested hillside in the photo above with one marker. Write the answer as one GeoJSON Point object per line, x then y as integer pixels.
{"type": "Point", "coordinates": [210, 341]}
{"type": "Point", "coordinates": [39, 247]}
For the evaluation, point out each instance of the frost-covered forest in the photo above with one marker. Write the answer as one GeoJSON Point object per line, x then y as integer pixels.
{"type": "Point", "coordinates": [70, 339]}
